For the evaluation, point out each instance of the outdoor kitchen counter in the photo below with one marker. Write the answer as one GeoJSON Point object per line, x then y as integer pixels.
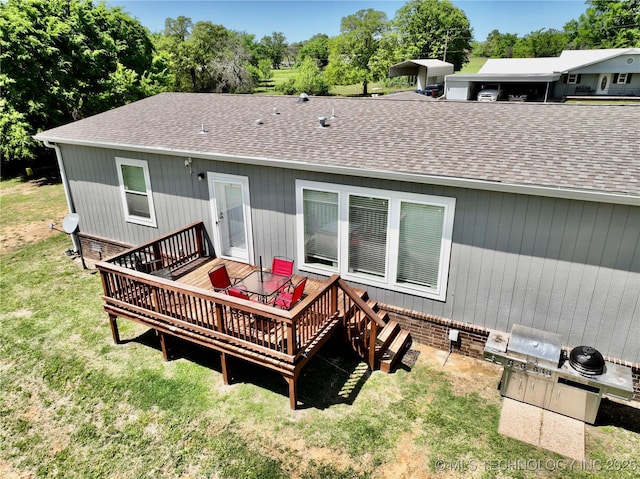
{"type": "Point", "coordinates": [616, 379]}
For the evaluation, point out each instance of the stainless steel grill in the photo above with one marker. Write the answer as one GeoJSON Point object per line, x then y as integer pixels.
{"type": "Point", "coordinates": [536, 371]}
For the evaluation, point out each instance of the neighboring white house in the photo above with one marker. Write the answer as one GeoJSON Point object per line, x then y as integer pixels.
{"type": "Point", "coordinates": [609, 72]}
{"type": "Point", "coordinates": [427, 72]}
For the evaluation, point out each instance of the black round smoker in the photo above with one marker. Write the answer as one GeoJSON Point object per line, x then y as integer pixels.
{"type": "Point", "coordinates": [586, 360]}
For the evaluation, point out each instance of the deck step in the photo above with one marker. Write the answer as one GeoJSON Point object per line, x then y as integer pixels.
{"type": "Point", "coordinates": [386, 335]}
{"type": "Point", "coordinates": [358, 319]}
{"type": "Point", "coordinates": [394, 353]}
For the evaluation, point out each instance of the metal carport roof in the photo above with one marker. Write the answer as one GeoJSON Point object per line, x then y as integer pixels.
{"type": "Point", "coordinates": [505, 77]}
{"type": "Point", "coordinates": [410, 67]}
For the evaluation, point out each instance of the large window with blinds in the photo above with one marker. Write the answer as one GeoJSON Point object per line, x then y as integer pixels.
{"type": "Point", "coordinates": [391, 239]}
{"type": "Point", "coordinates": [135, 191]}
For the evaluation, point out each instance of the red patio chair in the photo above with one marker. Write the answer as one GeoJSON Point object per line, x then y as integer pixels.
{"type": "Point", "coordinates": [281, 265]}
{"type": "Point", "coordinates": [236, 293]}
{"type": "Point", "coordinates": [219, 278]}
{"type": "Point", "coordinates": [288, 298]}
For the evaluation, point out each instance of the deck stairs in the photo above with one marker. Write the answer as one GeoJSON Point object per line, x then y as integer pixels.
{"type": "Point", "coordinates": [391, 341]}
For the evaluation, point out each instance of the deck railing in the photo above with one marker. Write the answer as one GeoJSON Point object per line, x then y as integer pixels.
{"type": "Point", "coordinates": [285, 335]}
{"type": "Point", "coordinates": [134, 289]}
{"type": "Point", "coordinates": [362, 323]}
{"type": "Point", "coordinates": [169, 252]}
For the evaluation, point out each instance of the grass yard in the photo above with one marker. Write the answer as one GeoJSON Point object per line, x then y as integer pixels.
{"type": "Point", "coordinates": [475, 63]}
{"type": "Point", "coordinates": [73, 405]}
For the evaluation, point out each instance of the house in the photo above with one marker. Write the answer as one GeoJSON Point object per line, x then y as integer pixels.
{"type": "Point", "coordinates": [472, 218]}
{"type": "Point", "coordinates": [600, 73]}
{"type": "Point", "coordinates": [427, 73]}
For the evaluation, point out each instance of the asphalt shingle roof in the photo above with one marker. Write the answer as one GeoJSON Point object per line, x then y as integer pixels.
{"type": "Point", "coordinates": [587, 147]}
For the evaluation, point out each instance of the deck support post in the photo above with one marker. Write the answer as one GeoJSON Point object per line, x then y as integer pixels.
{"type": "Point", "coordinates": [373, 335]}
{"type": "Point", "coordinates": [114, 328]}
{"type": "Point", "coordinates": [293, 392]}
{"type": "Point", "coordinates": [226, 378]}
{"type": "Point", "coordinates": [163, 345]}
{"type": "Point", "coordinates": [290, 338]}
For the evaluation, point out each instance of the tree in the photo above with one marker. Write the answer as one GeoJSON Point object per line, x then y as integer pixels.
{"type": "Point", "coordinates": [205, 57]}
{"type": "Point", "coordinates": [540, 43]}
{"type": "Point", "coordinates": [352, 50]}
{"type": "Point", "coordinates": [66, 59]}
{"type": "Point", "coordinates": [307, 78]}
{"type": "Point", "coordinates": [606, 24]}
{"type": "Point", "coordinates": [497, 45]}
{"type": "Point", "coordinates": [317, 48]}
{"type": "Point", "coordinates": [433, 29]}
{"type": "Point", "coordinates": [275, 46]}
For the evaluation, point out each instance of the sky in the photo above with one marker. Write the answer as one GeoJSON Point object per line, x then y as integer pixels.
{"type": "Point", "coordinates": [299, 20]}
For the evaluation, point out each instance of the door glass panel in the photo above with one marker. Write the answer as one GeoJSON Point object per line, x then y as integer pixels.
{"type": "Point", "coordinates": [231, 218]}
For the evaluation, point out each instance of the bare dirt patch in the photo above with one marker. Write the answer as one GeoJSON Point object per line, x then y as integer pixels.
{"type": "Point", "coordinates": [14, 236]}
{"type": "Point", "coordinates": [27, 220]}
{"type": "Point", "coordinates": [7, 471]}
{"type": "Point", "coordinates": [467, 375]}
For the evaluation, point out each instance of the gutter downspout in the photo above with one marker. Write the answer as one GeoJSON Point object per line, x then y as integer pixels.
{"type": "Point", "coordinates": [67, 189]}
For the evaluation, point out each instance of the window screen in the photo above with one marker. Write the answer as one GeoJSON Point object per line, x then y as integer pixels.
{"type": "Point", "coordinates": [135, 190]}
{"type": "Point", "coordinates": [420, 244]}
{"type": "Point", "coordinates": [368, 218]}
{"type": "Point", "coordinates": [321, 227]}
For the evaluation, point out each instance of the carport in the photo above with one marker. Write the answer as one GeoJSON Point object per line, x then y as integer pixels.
{"type": "Point", "coordinates": [466, 87]}
{"type": "Point", "coordinates": [427, 72]}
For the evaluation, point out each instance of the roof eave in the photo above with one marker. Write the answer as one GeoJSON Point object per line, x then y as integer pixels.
{"type": "Point", "coordinates": [458, 182]}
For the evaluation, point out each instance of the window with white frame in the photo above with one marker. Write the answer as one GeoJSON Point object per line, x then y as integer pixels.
{"type": "Point", "coordinates": [621, 78]}
{"type": "Point", "coordinates": [135, 191]}
{"type": "Point", "coordinates": [573, 78]}
{"type": "Point", "coordinates": [390, 239]}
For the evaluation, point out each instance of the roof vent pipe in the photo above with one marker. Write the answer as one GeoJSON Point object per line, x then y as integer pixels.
{"type": "Point", "coordinates": [322, 120]}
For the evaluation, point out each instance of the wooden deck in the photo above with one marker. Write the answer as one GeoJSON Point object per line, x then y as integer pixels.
{"type": "Point", "coordinates": [199, 278]}
{"type": "Point", "coordinates": [164, 284]}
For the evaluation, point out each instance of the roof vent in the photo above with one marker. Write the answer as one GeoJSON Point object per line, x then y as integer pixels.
{"type": "Point", "coordinates": [303, 97]}
{"type": "Point", "coordinates": [259, 121]}
{"type": "Point", "coordinates": [322, 121]}
{"type": "Point", "coordinates": [202, 130]}
{"type": "Point", "coordinates": [275, 111]}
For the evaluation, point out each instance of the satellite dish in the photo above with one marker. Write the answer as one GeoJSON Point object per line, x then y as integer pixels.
{"type": "Point", "coordinates": [70, 223]}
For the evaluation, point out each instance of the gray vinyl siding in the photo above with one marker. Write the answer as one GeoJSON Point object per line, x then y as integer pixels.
{"type": "Point", "coordinates": [179, 198]}
{"type": "Point", "coordinates": [565, 266]}
{"type": "Point", "coordinates": [614, 65]}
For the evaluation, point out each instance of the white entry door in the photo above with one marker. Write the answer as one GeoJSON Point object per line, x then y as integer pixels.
{"type": "Point", "coordinates": [231, 212]}
{"type": "Point", "coordinates": [604, 82]}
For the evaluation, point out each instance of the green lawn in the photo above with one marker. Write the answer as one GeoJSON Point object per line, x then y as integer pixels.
{"type": "Point", "coordinates": [475, 63]}
{"type": "Point", "coordinates": [74, 405]}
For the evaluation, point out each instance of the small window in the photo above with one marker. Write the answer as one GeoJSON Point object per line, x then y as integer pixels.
{"type": "Point", "coordinates": [622, 78]}
{"type": "Point", "coordinates": [135, 190]}
{"type": "Point", "coordinates": [573, 78]}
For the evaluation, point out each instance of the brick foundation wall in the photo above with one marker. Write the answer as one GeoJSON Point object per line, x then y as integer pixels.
{"type": "Point", "coordinates": [99, 249]}
{"type": "Point", "coordinates": [434, 331]}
